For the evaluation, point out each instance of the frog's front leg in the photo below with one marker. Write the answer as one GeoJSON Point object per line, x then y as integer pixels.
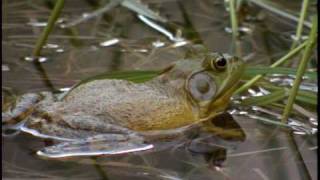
{"type": "Point", "coordinates": [102, 144]}
{"type": "Point", "coordinates": [24, 106]}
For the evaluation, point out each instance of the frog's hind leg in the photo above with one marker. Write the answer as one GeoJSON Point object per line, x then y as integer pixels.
{"type": "Point", "coordinates": [102, 144]}
{"type": "Point", "coordinates": [90, 135]}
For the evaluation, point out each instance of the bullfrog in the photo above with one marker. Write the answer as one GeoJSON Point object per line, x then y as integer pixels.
{"type": "Point", "coordinates": [114, 116]}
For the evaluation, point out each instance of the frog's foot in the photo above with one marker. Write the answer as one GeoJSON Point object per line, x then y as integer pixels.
{"type": "Point", "coordinates": [15, 116]}
{"type": "Point", "coordinates": [23, 107]}
{"type": "Point", "coordinates": [12, 119]}
{"type": "Point", "coordinates": [103, 144]}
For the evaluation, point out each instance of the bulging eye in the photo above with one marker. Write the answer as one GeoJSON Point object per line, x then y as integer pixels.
{"type": "Point", "coordinates": [202, 86]}
{"type": "Point", "coordinates": [220, 63]}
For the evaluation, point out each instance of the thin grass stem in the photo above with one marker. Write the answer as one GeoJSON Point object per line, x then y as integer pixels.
{"type": "Point", "coordinates": [301, 69]}
{"type": "Point", "coordinates": [233, 16]}
{"type": "Point", "coordinates": [45, 33]}
{"type": "Point", "coordinates": [303, 14]}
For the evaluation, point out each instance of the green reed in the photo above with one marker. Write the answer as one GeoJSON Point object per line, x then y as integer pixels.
{"type": "Point", "coordinates": [303, 14]}
{"type": "Point", "coordinates": [279, 62]}
{"type": "Point", "coordinates": [45, 33]}
{"type": "Point", "coordinates": [233, 18]}
{"type": "Point", "coordinates": [301, 69]}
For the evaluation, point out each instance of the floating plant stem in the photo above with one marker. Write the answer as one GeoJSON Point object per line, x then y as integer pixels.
{"type": "Point", "coordinates": [234, 26]}
{"type": "Point", "coordinates": [303, 14]}
{"type": "Point", "coordinates": [276, 64]}
{"type": "Point", "coordinates": [45, 33]}
{"type": "Point", "coordinates": [234, 21]}
{"type": "Point", "coordinates": [301, 69]}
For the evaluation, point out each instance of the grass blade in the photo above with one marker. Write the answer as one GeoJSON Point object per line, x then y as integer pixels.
{"type": "Point", "coordinates": [277, 63]}
{"type": "Point", "coordinates": [45, 33]}
{"type": "Point", "coordinates": [264, 100]}
{"type": "Point", "coordinates": [301, 69]}
{"type": "Point", "coordinates": [259, 70]}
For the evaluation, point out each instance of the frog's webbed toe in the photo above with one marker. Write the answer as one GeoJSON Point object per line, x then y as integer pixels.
{"type": "Point", "coordinates": [102, 144]}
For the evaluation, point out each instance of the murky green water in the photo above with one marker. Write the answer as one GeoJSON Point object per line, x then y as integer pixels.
{"type": "Point", "coordinates": [119, 40]}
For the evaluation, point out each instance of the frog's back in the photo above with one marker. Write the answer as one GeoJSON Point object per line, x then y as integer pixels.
{"type": "Point", "coordinates": [149, 106]}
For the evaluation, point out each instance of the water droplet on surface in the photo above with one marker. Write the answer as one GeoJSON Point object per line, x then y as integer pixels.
{"type": "Point", "coordinates": [94, 48]}
{"type": "Point", "coordinates": [180, 43]}
{"type": "Point", "coordinates": [228, 29]}
{"type": "Point", "coordinates": [32, 59]}
{"type": "Point", "coordinates": [255, 93]}
{"type": "Point", "coordinates": [5, 67]}
{"type": "Point", "coordinates": [158, 44]}
{"type": "Point", "coordinates": [51, 46]}
{"type": "Point", "coordinates": [29, 58]}
{"type": "Point", "coordinates": [61, 20]}
{"type": "Point", "coordinates": [37, 24]}
{"type": "Point", "coordinates": [84, 15]}
{"type": "Point", "coordinates": [110, 42]}
{"type": "Point", "coordinates": [300, 128]}
{"type": "Point", "coordinates": [294, 37]}
{"type": "Point", "coordinates": [42, 59]}
{"type": "Point", "coordinates": [60, 50]}
{"type": "Point", "coordinates": [141, 50]}
{"type": "Point", "coordinates": [65, 89]}
{"type": "Point", "coordinates": [313, 121]}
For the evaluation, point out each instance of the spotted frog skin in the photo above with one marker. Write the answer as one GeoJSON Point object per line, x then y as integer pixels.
{"type": "Point", "coordinates": [115, 114]}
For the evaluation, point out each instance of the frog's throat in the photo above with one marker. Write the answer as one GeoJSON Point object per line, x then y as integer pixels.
{"type": "Point", "coordinates": [210, 109]}
{"type": "Point", "coordinates": [217, 106]}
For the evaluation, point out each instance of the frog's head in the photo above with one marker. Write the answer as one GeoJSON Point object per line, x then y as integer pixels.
{"type": "Point", "coordinates": [211, 87]}
{"type": "Point", "coordinates": [208, 81]}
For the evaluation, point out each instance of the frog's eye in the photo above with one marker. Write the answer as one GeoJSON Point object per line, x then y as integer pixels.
{"type": "Point", "coordinates": [202, 86]}
{"type": "Point", "coordinates": [220, 63]}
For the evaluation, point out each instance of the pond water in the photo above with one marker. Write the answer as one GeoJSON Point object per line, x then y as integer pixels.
{"type": "Point", "coordinates": [122, 40]}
